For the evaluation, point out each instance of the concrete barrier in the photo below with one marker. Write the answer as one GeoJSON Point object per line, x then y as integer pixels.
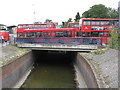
{"type": "Point", "coordinates": [15, 70]}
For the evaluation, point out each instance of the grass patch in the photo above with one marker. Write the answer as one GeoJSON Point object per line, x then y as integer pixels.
{"type": "Point", "coordinates": [100, 51]}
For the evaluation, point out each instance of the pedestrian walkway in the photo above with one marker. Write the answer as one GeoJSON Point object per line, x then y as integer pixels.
{"type": "Point", "coordinates": [106, 66]}
{"type": "Point", "coordinates": [8, 52]}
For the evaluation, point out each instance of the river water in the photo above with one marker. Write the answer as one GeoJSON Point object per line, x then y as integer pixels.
{"type": "Point", "coordinates": [51, 70]}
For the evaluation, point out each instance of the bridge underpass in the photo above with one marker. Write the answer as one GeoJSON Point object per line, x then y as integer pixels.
{"type": "Point", "coordinates": [50, 69]}
{"type": "Point", "coordinates": [52, 59]}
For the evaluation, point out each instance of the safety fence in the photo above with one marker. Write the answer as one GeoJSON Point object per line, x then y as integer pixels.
{"type": "Point", "coordinates": [75, 41]}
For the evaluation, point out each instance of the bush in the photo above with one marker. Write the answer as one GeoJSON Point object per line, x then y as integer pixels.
{"type": "Point", "coordinates": [114, 42]}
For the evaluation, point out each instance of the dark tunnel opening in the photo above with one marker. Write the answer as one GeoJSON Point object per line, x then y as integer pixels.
{"type": "Point", "coordinates": [53, 57]}
{"type": "Point", "coordinates": [52, 70]}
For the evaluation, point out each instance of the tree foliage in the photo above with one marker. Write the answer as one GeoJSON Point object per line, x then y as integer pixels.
{"type": "Point", "coordinates": [113, 13]}
{"type": "Point", "coordinates": [48, 21]}
{"type": "Point", "coordinates": [100, 11]}
{"type": "Point", "coordinates": [77, 17]}
{"type": "Point", "coordinates": [64, 24]}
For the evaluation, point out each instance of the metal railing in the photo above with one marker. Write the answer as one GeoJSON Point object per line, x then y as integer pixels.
{"type": "Point", "coordinates": [75, 41]}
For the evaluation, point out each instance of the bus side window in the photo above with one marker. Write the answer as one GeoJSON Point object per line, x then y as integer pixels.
{"type": "Point", "coordinates": [25, 34]}
{"type": "Point", "coordinates": [46, 34]}
{"type": "Point", "coordinates": [101, 34]}
{"type": "Point", "coordinates": [88, 34]}
{"type": "Point", "coordinates": [28, 34]}
{"type": "Point", "coordinates": [65, 34]}
{"type": "Point", "coordinates": [59, 34]}
{"type": "Point", "coordinates": [33, 34]}
{"type": "Point", "coordinates": [116, 22]}
{"type": "Point", "coordinates": [78, 34]}
{"type": "Point", "coordinates": [83, 34]}
{"type": "Point", "coordinates": [69, 33]}
{"type": "Point", "coordinates": [20, 34]}
{"type": "Point", "coordinates": [19, 26]}
{"type": "Point", "coordinates": [39, 34]}
{"type": "Point", "coordinates": [93, 22]}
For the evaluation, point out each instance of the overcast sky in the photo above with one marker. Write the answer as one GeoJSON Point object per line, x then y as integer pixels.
{"type": "Point", "coordinates": [13, 12]}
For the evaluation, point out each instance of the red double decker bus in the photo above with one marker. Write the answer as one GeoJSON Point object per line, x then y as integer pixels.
{"type": "Point", "coordinates": [88, 31]}
{"type": "Point", "coordinates": [54, 36]}
{"type": "Point", "coordinates": [90, 27]}
{"type": "Point", "coordinates": [76, 26]}
{"type": "Point", "coordinates": [64, 35]}
{"type": "Point", "coordinates": [5, 35]}
{"type": "Point", "coordinates": [36, 26]}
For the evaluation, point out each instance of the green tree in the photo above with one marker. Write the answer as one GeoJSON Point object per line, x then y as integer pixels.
{"type": "Point", "coordinates": [86, 14]}
{"type": "Point", "coordinates": [69, 20]}
{"type": "Point", "coordinates": [77, 17]}
{"type": "Point", "coordinates": [48, 21]}
{"type": "Point", "coordinates": [64, 24]}
{"type": "Point", "coordinates": [113, 13]}
{"type": "Point", "coordinates": [100, 11]}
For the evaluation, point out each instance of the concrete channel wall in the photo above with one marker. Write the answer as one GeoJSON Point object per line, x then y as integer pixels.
{"type": "Point", "coordinates": [85, 69]}
{"type": "Point", "coordinates": [16, 69]}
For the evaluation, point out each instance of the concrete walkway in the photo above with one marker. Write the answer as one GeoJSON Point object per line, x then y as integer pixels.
{"type": "Point", "coordinates": [8, 52]}
{"type": "Point", "coordinates": [106, 65]}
